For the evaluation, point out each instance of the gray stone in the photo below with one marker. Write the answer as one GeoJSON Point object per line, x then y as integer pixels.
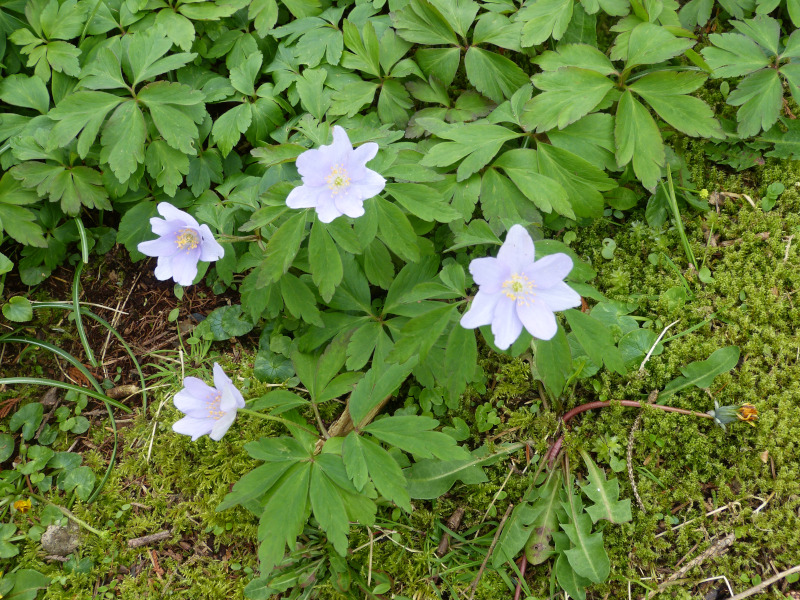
{"type": "Point", "coordinates": [61, 541]}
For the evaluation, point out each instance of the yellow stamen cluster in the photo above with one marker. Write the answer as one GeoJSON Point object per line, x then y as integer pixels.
{"type": "Point", "coordinates": [23, 506]}
{"type": "Point", "coordinates": [214, 410]}
{"type": "Point", "coordinates": [187, 239]}
{"type": "Point", "coordinates": [519, 288]}
{"type": "Point", "coordinates": [338, 180]}
{"type": "Point", "coordinates": [747, 413]}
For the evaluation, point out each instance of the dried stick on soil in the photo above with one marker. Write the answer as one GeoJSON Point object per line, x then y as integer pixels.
{"type": "Point", "coordinates": [764, 584]}
{"type": "Point", "coordinates": [718, 548]}
{"type": "Point", "coordinates": [453, 523]}
{"type": "Point", "coordinates": [477, 579]}
{"type": "Point", "coordinates": [636, 424]}
{"type": "Point", "coordinates": [146, 540]}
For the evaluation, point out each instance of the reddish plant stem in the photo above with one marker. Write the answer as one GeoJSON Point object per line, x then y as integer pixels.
{"type": "Point", "coordinates": [551, 455]}
{"type": "Point", "coordinates": [522, 564]}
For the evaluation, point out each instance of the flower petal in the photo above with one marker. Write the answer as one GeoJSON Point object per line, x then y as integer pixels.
{"type": "Point", "coordinates": [550, 270]}
{"type": "Point", "coordinates": [506, 325]}
{"type": "Point", "coordinates": [369, 185]}
{"type": "Point", "coordinates": [222, 425]}
{"type": "Point", "coordinates": [193, 398]}
{"type": "Point", "coordinates": [314, 166]}
{"type": "Point", "coordinates": [304, 196]}
{"type": "Point", "coordinates": [210, 249]}
{"type": "Point", "coordinates": [349, 205]}
{"type": "Point", "coordinates": [481, 311]}
{"type": "Point", "coordinates": [538, 319]}
{"type": "Point", "coordinates": [193, 426]}
{"type": "Point", "coordinates": [163, 270]}
{"type": "Point", "coordinates": [517, 251]}
{"type": "Point", "coordinates": [341, 145]}
{"type": "Point", "coordinates": [170, 213]}
{"type": "Point", "coordinates": [489, 273]}
{"type": "Point", "coordinates": [559, 297]}
{"type": "Point", "coordinates": [162, 227]}
{"type": "Point", "coordinates": [231, 398]}
{"type": "Point", "coordinates": [184, 266]}
{"type": "Point", "coordinates": [326, 209]}
{"type": "Point", "coordinates": [220, 378]}
{"type": "Point", "coordinates": [364, 153]}
{"type": "Point", "coordinates": [163, 246]}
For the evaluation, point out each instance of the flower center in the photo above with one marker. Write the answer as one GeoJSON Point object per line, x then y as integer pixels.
{"type": "Point", "coordinates": [212, 404]}
{"type": "Point", "coordinates": [519, 288]}
{"type": "Point", "coordinates": [187, 239]}
{"type": "Point", "coordinates": [338, 180]}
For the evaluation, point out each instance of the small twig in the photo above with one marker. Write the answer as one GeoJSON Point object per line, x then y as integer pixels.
{"type": "Point", "coordinates": [708, 514]}
{"type": "Point", "coordinates": [497, 533]}
{"type": "Point", "coordinates": [658, 339]}
{"type": "Point", "coordinates": [755, 589]}
{"type": "Point", "coordinates": [453, 523]}
{"type": "Point", "coordinates": [320, 424]}
{"type": "Point", "coordinates": [522, 565]}
{"type": "Point", "coordinates": [146, 540]}
{"type": "Point", "coordinates": [636, 424]}
{"type": "Point", "coordinates": [716, 549]}
{"type": "Point", "coordinates": [788, 246]}
{"type": "Point", "coordinates": [494, 499]}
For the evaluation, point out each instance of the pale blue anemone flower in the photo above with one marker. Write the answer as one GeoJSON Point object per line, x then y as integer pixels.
{"type": "Point", "coordinates": [182, 242]}
{"type": "Point", "coordinates": [336, 180]}
{"type": "Point", "coordinates": [209, 410]}
{"type": "Point", "coordinates": [516, 291]}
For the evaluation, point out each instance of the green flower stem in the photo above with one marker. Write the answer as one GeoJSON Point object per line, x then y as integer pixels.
{"type": "Point", "coordinates": [286, 422]}
{"type": "Point", "coordinates": [70, 515]}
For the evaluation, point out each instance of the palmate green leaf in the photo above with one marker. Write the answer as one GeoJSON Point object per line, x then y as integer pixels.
{"type": "Point", "coordinates": [638, 139]}
{"type": "Point", "coordinates": [582, 180]}
{"type": "Point", "coordinates": [178, 29]}
{"type": "Point", "coordinates": [73, 187]}
{"type": "Point", "coordinates": [364, 53]}
{"type": "Point", "coordinates": [651, 44]}
{"type": "Point", "coordinates": [475, 143]}
{"type": "Point", "coordinates": [123, 140]}
{"type": "Point", "coordinates": [325, 261]}
{"type": "Point", "coordinates": [543, 19]}
{"type": "Point", "coordinates": [378, 265]}
{"type": "Point", "coordinates": [764, 30]}
{"type": "Point", "coordinates": [28, 92]}
{"type": "Point", "coordinates": [553, 361]}
{"type": "Point", "coordinates": [422, 201]}
{"type": "Point", "coordinates": [460, 358]}
{"type": "Point", "coordinates": [254, 484]}
{"type": "Point", "coordinates": [243, 77]}
{"type": "Point", "coordinates": [229, 127]}
{"type": "Point", "coordinates": [666, 93]}
{"type": "Point", "coordinates": [396, 231]}
{"type": "Point", "coordinates": [582, 28]}
{"type": "Point", "coordinates": [420, 333]}
{"type": "Point", "coordinates": [587, 556]}
{"type": "Point", "coordinates": [166, 165]}
{"type": "Point", "coordinates": [281, 249]}
{"type": "Point", "coordinates": [702, 373]}
{"type": "Point", "coordinates": [502, 201]}
{"type": "Point", "coordinates": [63, 57]}
{"type": "Point", "coordinates": [145, 50]}
{"type": "Point", "coordinates": [414, 434]}
{"type": "Point", "coordinates": [759, 96]}
{"type": "Point", "coordinates": [104, 72]}
{"type": "Point", "coordinates": [329, 509]}
{"type": "Point", "coordinates": [733, 55]}
{"type": "Point", "coordinates": [362, 456]}
{"type": "Point", "coordinates": [591, 138]}
{"type": "Point", "coordinates": [299, 299]}
{"type": "Point", "coordinates": [264, 14]}
{"type": "Point", "coordinates": [547, 194]}
{"type": "Point", "coordinates": [350, 98]}
{"type": "Point", "coordinates": [203, 169]}
{"type": "Point", "coordinates": [787, 144]}
{"type": "Point", "coordinates": [380, 381]}
{"type": "Point", "coordinates": [420, 22]}
{"type": "Point", "coordinates": [596, 340]}
{"type": "Point", "coordinates": [57, 21]}
{"type": "Point", "coordinates": [791, 74]}
{"type": "Point", "coordinates": [558, 105]}
{"type": "Point", "coordinates": [492, 74]}
{"type": "Point", "coordinates": [284, 515]}
{"type": "Point", "coordinates": [175, 108]}
{"type": "Point", "coordinates": [394, 103]}
{"type": "Point", "coordinates": [441, 63]}
{"type": "Point", "coordinates": [313, 97]}
{"type": "Point", "coordinates": [604, 494]}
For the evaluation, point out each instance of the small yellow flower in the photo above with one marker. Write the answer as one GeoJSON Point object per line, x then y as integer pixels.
{"type": "Point", "coordinates": [23, 506]}
{"type": "Point", "coordinates": [747, 413]}
{"type": "Point", "coordinates": [704, 193]}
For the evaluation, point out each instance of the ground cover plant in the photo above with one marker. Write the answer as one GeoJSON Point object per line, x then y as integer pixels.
{"type": "Point", "coordinates": [488, 294]}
